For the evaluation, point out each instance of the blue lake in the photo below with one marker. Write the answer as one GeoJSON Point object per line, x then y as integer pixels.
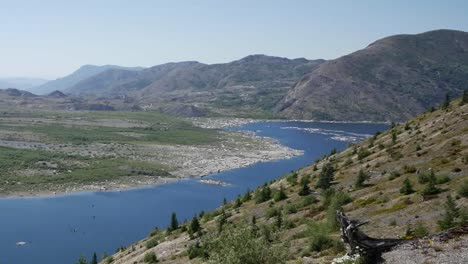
{"type": "Point", "coordinates": [60, 229]}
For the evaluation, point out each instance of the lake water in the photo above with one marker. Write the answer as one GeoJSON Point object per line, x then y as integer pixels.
{"type": "Point", "coordinates": [60, 229]}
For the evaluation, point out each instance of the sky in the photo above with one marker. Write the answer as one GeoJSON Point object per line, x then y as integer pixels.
{"type": "Point", "coordinates": [52, 38]}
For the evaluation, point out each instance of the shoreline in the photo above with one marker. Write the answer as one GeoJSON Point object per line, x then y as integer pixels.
{"type": "Point", "coordinates": [208, 165]}
{"type": "Point", "coordinates": [220, 123]}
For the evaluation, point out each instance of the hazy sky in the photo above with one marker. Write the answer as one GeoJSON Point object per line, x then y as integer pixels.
{"type": "Point", "coordinates": [51, 38]}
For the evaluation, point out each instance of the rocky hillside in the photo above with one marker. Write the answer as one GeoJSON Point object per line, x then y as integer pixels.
{"type": "Point", "coordinates": [409, 181]}
{"type": "Point", "coordinates": [392, 79]}
{"type": "Point", "coordinates": [82, 73]}
{"type": "Point", "coordinates": [254, 83]}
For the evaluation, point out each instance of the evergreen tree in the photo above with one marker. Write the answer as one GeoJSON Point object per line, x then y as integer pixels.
{"type": "Point", "coordinates": [450, 215]}
{"type": "Point", "coordinates": [305, 190]}
{"type": "Point", "coordinates": [263, 195]}
{"type": "Point", "coordinates": [254, 220]}
{"type": "Point", "coordinates": [222, 220]}
{"type": "Point", "coordinates": [464, 99]}
{"type": "Point", "coordinates": [238, 202]}
{"type": "Point", "coordinates": [431, 188]}
{"type": "Point", "coordinates": [94, 259]}
{"type": "Point", "coordinates": [407, 187]}
{"type": "Point", "coordinates": [194, 225]}
{"type": "Point", "coordinates": [446, 102]}
{"type": "Point", "coordinates": [280, 195]}
{"type": "Point", "coordinates": [247, 196]}
{"type": "Point", "coordinates": [394, 136]}
{"type": "Point", "coordinates": [326, 176]}
{"type": "Point", "coordinates": [174, 222]}
{"type": "Point", "coordinates": [362, 177]}
{"type": "Point", "coordinates": [279, 219]}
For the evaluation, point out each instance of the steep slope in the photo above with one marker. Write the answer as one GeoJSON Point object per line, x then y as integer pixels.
{"type": "Point", "coordinates": [392, 79]}
{"type": "Point", "coordinates": [256, 82]}
{"type": "Point", "coordinates": [292, 220]}
{"type": "Point", "coordinates": [82, 73]}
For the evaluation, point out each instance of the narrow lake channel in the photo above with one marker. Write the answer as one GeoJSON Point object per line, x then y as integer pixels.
{"type": "Point", "coordinates": [59, 229]}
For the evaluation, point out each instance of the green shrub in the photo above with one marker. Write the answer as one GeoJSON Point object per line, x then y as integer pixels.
{"type": "Point", "coordinates": [407, 187]}
{"type": "Point", "coordinates": [362, 177]}
{"type": "Point", "coordinates": [319, 237]}
{"type": "Point", "coordinates": [463, 191]}
{"type": "Point", "coordinates": [150, 257]}
{"type": "Point", "coordinates": [307, 200]}
{"type": "Point", "coordinates": [420, 230]}
{"type": "Point", "coordinates": [241, 244]}
{"type": "Point", "coordinates": [280, 195]}
{"type": "Point", "coordinates": [409, 169]}
{"type": "Point", "coordinates": [362, 153]}
{"type": "Point", "coordinates": [152, 242]}
{"type": "Point", "coordinates": [197, 251]}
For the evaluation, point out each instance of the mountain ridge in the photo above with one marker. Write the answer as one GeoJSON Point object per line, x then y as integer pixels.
{"type": "Point", "coordinates": [391, 79]}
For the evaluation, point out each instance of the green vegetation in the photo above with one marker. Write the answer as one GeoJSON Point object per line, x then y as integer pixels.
{"type": "Point", "coordinates": [326, 176]}
{"type": "Point", "coordinates": [362, 177]}
{"type": "Point", "coordinates": [150, 258]}
{"type": "Point", "coordinates": [407, 187]}
{"type": "Point", "coordinates": [174, 225]}
{"type": "Point", "coordinates": [463, 191]}
{"type": "Point", "coordinates": [453, 215]}
{"type": "Point", "coordinates": [241, 244]}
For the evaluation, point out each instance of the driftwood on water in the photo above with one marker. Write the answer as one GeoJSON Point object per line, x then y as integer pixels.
{"type": "Point", "coordinates": [369, 249]}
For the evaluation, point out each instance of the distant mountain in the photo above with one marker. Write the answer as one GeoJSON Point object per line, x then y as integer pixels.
{"type": "Point", "coordinates": [392, 79]}
{"type": "Point", "coordinates": [22, 83]}
{"type": "Point", "coordinates": [255, 82]}
{"type": "Point", "coordinates": [82, 73]}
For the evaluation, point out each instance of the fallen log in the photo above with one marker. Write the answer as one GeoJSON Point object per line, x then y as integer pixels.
{"type": "Point", "coordinates": [369, 249]}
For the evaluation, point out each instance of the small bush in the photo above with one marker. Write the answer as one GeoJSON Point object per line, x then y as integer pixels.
{"type": "Point", "coordinates": [409, 169]}
{"type": "Point", "coordinates": [152, 242]}
{"type": "Point", "coordinates": [420, 230]}
{"type": "Point", "coordinates": [362, 153]}
{"type": "Point", "coordinates": [150, 257]}
{"type": "Point", "coordinates": [463, 191]}
{"type": "Point", "coordinates": [407, 187]}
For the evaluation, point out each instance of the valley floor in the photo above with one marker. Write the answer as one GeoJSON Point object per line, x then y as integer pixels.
{"type": "Point", "coordinates": [55, 153]}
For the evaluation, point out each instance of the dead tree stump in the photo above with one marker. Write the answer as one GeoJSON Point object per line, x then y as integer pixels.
{"type": "Point", "coordinates": [369, 249]}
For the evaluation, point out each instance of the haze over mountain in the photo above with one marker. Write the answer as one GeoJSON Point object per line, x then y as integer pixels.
{"type": "Point", "coordinates": [22, 83]}
{"type": "Point", "coordinates": [82, 73]}
{"type": "Point", "coordinates": [392, 79]}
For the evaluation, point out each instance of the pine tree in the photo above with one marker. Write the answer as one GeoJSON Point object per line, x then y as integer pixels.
{"type": "Point", "coordinates": [326, 176]}
{"type": "Point", "coordinates": [94, 259]}
{"type": "Point", "coordinates": [407, 187]}
{"type": "Point", "coordinates": [279, 219]}
{"type": "Point", "coordinates": [394, 136]}
{"type": "Point", "coordinates": [222, 220]}
{"type": "Point", "coordinates": [238, 202]}
{"type": "Point", "coordinates": [194, 225]}
{"type": "Point", "coordinates": [247, 196]}
{"type": "Point", "coordinates": [450, 215]}
{"type": "Point", "coordinates": [174, 222]}
{"type": "Point", "coordinates": [280, 195]}
{"type": "Point", "coordinates": [431, 188]}
{"type": "Point", "coordinates": [446, 102]}
{"type": "Point", "coordinates": [305, 190]}
{"type": "Point", "coordinates": [464, 99]}
{"type": "Point", "coordinates": [362, 177]}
